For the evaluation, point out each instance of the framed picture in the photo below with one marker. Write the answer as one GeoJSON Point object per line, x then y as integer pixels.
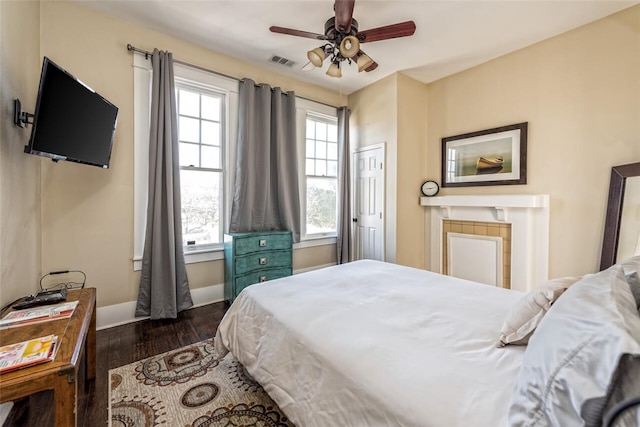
{"type": "Point", "coordinates": [495, 156]}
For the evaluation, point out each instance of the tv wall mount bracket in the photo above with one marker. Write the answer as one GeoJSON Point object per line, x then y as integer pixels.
{"type": "Point", "coordinates": [21, 118]}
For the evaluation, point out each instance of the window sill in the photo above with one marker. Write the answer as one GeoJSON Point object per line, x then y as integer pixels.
{"type": "Point", "coordinates": [316, 241]}
{"type": "Point", "coordinates": [190, 257]}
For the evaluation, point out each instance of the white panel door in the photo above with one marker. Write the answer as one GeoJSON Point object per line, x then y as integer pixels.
{"type": "Point", "coordinates": [369, 203]}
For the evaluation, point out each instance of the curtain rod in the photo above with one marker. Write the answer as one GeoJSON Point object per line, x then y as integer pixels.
{"type": "Point", "coordinates": [148, 55]}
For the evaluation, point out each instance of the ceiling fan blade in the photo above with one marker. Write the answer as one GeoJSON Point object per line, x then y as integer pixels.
{"type": "Point", "coordinates": [403, 29]}
{"type": "Point", "coordinates": [344, 13]}
{"type": "Point", "coordinates": [299, 33]}
{"type": "Point", "coordinates": [371, 67]}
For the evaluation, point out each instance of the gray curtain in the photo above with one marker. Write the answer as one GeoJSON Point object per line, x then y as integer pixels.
{"type": "Point", "coordinates": [164, 287]}
{"type": "Point", "coordinates": [266, 194]}
{"type": "Point", "coordinates": [343, 241]}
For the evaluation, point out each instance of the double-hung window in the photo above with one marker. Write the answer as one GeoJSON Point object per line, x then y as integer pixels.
{"type": "Point", "coordinates": [321, 175]}
{"type": "Point", "coordinates": [317, 127]}
{"type": "Point", "coordinates": [201, 136]}
{"type": "Point", "coordinates": [207, 106]}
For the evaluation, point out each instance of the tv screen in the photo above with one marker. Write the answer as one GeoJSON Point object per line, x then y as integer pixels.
{"type": "Point", "coordinates": [72, 122]}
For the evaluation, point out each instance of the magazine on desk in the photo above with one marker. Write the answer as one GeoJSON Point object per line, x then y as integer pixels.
{"type": "Point", "coordinates": [38, 314]}
{"type": "Point", "coordinates": [28, 353]}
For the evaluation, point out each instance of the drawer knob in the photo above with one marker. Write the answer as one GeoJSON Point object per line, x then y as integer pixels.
{"type": "Point", "coordinates": [263, 278]}
{"type": "Point", "coordinates": [263, 261]}
{"type": "Point", "coordinates": [263, 243]}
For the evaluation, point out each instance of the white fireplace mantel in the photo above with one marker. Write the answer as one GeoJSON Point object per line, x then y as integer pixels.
{"type": "Point", "coordinates": [528, 215]}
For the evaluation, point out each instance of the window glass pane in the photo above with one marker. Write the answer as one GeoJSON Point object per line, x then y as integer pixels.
{"type": "Point", "coordinates": [201, 195]}
{"type": "Point", "coordinates": [332, 151]}
{"type": "Point", "coordinates": [189, 154]}
{"type": "Point", "coordinates": [311, 148]}
{"type": "Point", "coordinates": [321, 205]}
{"type": "Point", "coordinates": [321, 150]}
{"type": "Point", "coordinates": [332, 168]}
{"type": "Point", "coordinates": [311, 130]}
{"type": "Point", "coordinates": [210, 157]}
{"type": "Point", "coordinates": [189, 129]}
{"type": "Point", "coordinates": [321, 167]}
{"type": "Point", "coordinates": [310, 167]}
{"type": "Point", "coordinates": [188, 103]}
{"type": "Point", "coordinates": [321, 131]}
{"type": "Point", "coordinates": [332, 133]}
{"type": "Point", "coordinates": [210, 133]}
{"type": "Point", "coordinates": [211, 108]}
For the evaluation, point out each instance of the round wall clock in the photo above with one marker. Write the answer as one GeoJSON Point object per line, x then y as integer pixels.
{"type": "Point", "coordinates": [430, 188]}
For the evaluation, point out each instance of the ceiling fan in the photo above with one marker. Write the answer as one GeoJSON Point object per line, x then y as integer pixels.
{"type": "Point", "coordinates": [343, 39]}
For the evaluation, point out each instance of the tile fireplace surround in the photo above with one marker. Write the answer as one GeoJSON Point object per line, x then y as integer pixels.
{"type": "Point", "coordinates": [528, 216]}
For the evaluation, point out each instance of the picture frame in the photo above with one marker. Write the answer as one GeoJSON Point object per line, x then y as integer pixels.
{"type": "Point", "coordinates": [496, 156]}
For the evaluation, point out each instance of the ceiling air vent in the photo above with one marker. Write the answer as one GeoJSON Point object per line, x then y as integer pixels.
{"type": "Point", "coordinates": [283, 61]}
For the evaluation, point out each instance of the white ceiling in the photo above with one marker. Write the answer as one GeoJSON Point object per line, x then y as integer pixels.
{"type": "Point", "coordinates": [451, 35]}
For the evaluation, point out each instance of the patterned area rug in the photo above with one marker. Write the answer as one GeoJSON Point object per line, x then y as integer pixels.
{"type": "Point", "coordinates": [189, 387]}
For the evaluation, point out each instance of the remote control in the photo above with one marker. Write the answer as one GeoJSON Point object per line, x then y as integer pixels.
{"type": "Point", "coordinates": [43, 298]}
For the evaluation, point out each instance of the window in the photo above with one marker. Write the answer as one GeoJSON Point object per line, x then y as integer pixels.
{"type": "Point", "coordinates": [321, 176]}
{"type": "Point", "coordinates": [317, 128]}
{"type": "Point", "coordinates": [201, 130]}
{"type": "Point", "coordinates": [207, 126]}
{"type": "Point", "coordinates": [207, 121]}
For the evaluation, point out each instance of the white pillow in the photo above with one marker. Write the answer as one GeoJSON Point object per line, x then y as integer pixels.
{"type": "Point", "coordinates": [526, 314]}
{"type": "Point", "coordinates": [631, 268]}
{"type": "Point", "coordinates": [574, 351]}
{"type": "Point", "coordinates": [631, 264]}
{"type": "Point", "coordinates": [634, 283]}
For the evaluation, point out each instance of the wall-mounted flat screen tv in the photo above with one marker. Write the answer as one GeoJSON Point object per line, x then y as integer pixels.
{"type": "Point", "coordinates": [72, 121]}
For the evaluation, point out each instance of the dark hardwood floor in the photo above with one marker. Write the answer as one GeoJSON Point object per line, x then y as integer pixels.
{"type": "Point", "coordinates": [116, 347]}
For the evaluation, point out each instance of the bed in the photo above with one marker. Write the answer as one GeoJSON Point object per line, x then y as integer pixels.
{"type": "Point", "coordinates": [370, 343]}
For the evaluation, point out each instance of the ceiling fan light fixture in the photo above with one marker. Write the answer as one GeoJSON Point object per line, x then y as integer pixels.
{"type": "Point", "coordinates": [363, 62]}
{"type": "Point", "coordinates": [342, 39]}
{"type": "Point", "coordinates": [334, 70]}
{"type": "Point", "coordinates": [349, 46]}
{"type": "Point", "coordinates": [316, 56]}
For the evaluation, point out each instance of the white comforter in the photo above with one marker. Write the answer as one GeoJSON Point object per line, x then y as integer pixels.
{"type": "Point", "coordinates": [376, 344]}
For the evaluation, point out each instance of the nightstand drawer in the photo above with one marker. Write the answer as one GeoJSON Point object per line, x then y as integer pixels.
{"type": "Point", "coordinates": [260, 276]}
{"type": "Point", "coordinates": [258, 261]}
{"type": "Point", "coordinates": [262, 242]}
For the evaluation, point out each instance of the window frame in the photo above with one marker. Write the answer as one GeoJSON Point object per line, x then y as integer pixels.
{"type": "Point", "coordinates": [307, 108]}
{"type": "Point", "coordinates": [206, 89]}
{"type": "Point", "coordinates": [328, 120]}
{"type": "Point", "coordinates": [142, 103]}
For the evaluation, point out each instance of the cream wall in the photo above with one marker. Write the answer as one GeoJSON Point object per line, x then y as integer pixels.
{"type": "Point", "coordinates": [412, 135]}
{"type": "Point", "coordinates": [394, 110]}
{"type": "Point", "coordinates": [20, 222]}
{"type": "Point", "coordinates": [580, 93]}
{"type": "Point", "coordinates": [374, 120]}
{"type": "Point", "coordinates": [87, 212]}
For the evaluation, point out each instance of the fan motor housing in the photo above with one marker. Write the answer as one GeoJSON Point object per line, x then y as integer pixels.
{"type": "Point", "coordinates": [332, 32]}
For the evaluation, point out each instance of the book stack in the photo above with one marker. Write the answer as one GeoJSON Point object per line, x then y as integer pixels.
{"type": "Point", "coordinates": [38, 314]}
{"type": "Point", "coordinates": [28, 353]}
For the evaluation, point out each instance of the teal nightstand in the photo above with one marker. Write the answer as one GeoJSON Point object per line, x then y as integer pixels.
{"type": "Point", "coordinates": [255, 257]}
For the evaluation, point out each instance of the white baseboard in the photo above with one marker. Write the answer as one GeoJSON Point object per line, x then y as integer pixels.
{"type": "Point", "coordinates": [123, 313]}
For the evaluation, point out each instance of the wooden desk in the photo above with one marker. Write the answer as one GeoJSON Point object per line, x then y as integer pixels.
{"type": "Point", "coordinates": [77, 338]}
